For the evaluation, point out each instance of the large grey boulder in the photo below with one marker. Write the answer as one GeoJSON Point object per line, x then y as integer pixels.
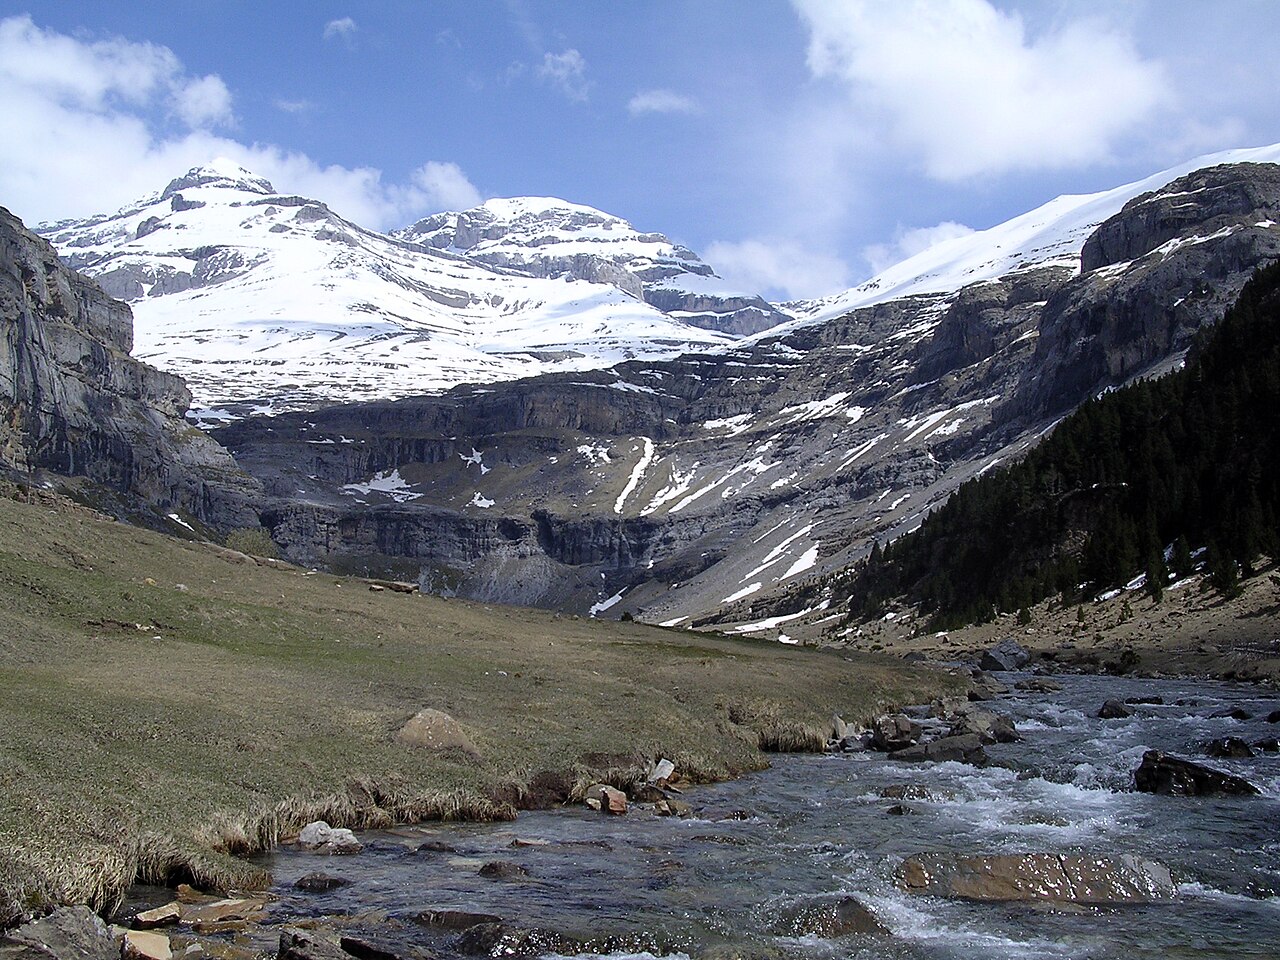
{"type": "Point", "coordinates": [1008, 654]}
{"type": "Point", "coordinates": [69, 933]}
{"type": "Point", "coordinates": [966, 748]}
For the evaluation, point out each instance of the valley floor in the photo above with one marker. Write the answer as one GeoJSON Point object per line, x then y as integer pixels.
{"type": "Point", "coordinates": [170, 704]}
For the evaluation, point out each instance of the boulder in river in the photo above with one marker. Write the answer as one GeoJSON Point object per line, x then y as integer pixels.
{"type": "Point", "coordinates": [966, 748]}
{"type": "Point", "coordinates": [67, 932]}
{"type": "Point", "coordinates": [322, 838]}
{"type": "Point", "coordinates": [145, 945]}
{"type": "Point", "coordinates": [987, 726]}
{"type": "Point", "coordinates": [1174, 776]}
{"type": "Point", "coordinates": [610, 799]}
{"type": "Point", "coordinates": [1231, 713]}
{"type": "Point", "coordinates": [986, 687]}
{"type": "Point", "coordinates": [1050, 877]}
{"type": "Point", "coordinates": [319, 883]}
{"type": "Point", "coordinates": [894, 732]}
{"type": "Point", "coordinates": [452, 919]}
{"type": "Point", "coordinates": [296, 944]}
{"type": "Point", "coordinates": [1039, 685]}
{"type": "Point", "coordinates": [1230, 748]}
{"type": "Point", "coordinates": [1268, 745]}
{"type": "Point", "coordinates": [1114, 710]}
{"type": "Point", "coordinates": [503, 870]}
{"type": "Point", "coordinates": [1008, 654]}
{"type": "Point", "coordinates": [1273, 716]}
{"type": "Point", "coordinates": [507, 940]}
{"type": "Point", "coordinates": [825, 917]}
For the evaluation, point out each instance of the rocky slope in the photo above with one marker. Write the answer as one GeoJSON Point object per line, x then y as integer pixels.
{"type": "Point", "coordinates": [545, 237]}
{"type": "Point", "coordinates": [73, 402]}
{"type": "Point", "coordinates": [702, 486]}
{"type": "Point", "coordinates": [268, 302]}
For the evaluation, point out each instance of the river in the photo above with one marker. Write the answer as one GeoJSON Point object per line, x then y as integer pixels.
{"type": "Point", "coordinates": [819, 825]}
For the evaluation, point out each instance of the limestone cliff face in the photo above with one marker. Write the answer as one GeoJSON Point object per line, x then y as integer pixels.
{"type": "Point", "coordinates": [73, 402]}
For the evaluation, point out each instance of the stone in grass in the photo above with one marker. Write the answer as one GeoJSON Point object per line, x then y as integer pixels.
{"type": "Point", "coordinates": [322, 838]}
{"type": "Point", "coordinates": [431, 729]}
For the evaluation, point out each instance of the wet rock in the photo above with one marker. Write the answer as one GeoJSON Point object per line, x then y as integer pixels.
{"type": "Point", "coordinates": [218, 911]}
{"type": "Point", "coordinates": [855, 743]}
{"type": "Point", "coordinates": [966, 748]}
{"type": "Point", "coordinates": [431, 729]}
{"type": "Point", "coordinates": [322, 838]}
{"type": "Point", "coordinates": [504, 940]}
{"type": "Point", "coordinates": [1273, 716]}
{"type": "Point", "coordinates": [1150, 701]}
{"type": "Point", "coordinates": [1173, 776]}
{"type": "Point", "coordinates": [671, 807]}
{"type": "Point", "coordinates": [1232, 748]}
{"type": "Point", "coordinates": [1056, 878]}
{"type": "Point", "coordinates": [1231, 713]}
{"type": "Point", "coordinates": [900, 810]}
{"type": "Point", "coordinates": [1114, 710]}
{"type": "Point", "coordinates": [611, 799]}
{"type": "Point", "coordinates": [68, 932]}
{"type": "Point", "coordinates": [319, 883]}
{"type": "Point", "coordinates": [145, 945]}
{"type": "Point", "coordinates": [986, 687]}
{"type": "Point", "coordinates": [363, 949]}
{"type": "Point", "coordinates": [825, 917]}
{"type": "Point", "coordinates": [745, 950]}
{"type": "Point", "coordinates": [1039, 685]}
{"type": "Point", "coordinates": [894, 732]}
{"type": "Point", "coordinates": [435, 846]}
{"type": "Point", "coordinates": [159, 916]}
{"type": "Point", "coordinates": [1268, 745]}
{"type": "Point", "coordinates": [503, 870]}
{"type": "Point", "coordinates": [906, 791]}
{"type": "Point", "coordinates": [987, 726]}
{"type": "Point", "coordinates": [309, 945]}
{"type": "Point", "coordinates": [1008, 654]}
{"type": "Point", "coordinates": [452, 919]}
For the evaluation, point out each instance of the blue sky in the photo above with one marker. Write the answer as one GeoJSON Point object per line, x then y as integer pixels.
{"type": "Point", "coordinates": [796, 145]}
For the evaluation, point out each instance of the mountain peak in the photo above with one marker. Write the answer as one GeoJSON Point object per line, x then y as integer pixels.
{"type": "Point", "coordinates": [220, 172]}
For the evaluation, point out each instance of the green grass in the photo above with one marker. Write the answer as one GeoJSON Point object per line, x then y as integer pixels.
{"type": "Point", "coordinates": [166, 705]}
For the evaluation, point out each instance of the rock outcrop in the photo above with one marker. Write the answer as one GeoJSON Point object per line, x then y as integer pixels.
{"type": "Point", "coordinates": [73, 402]}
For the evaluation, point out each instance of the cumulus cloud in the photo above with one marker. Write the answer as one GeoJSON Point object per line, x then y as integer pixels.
{"type": "Point", "coordinates": [964, 87]}
{"type": "Point", "coordinates": [567, 72]}
{"type": "Point", "coordinates": [342, 28]}
{"type": "Point", "coordinates": [778, 267]}
{"type": "Point", "coordinates": [907, 243]}
{"type": "Point", "coordinates": [661, 101]}
{"type": "Point", "coordinates": [86, 127]}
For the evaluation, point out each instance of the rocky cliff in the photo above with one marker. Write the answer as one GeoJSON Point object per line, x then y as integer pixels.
{"type": "Point", "coordinates": [73, 402]}
{"type": "Point", "coordinates": [707, 486]}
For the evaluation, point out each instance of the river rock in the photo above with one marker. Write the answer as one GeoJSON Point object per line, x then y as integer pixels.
{"type": "Point", "coordinates": [1008, 654]}
{"type": "Point", "coordinates": [145, 945]}
{"type": "Point", "coordinates": [1056, 878]}
{"type": "Point", "coordinates": [68, 932]}
{"type": "Point", "coordinates": [989, 727]}
{"type": "Point", "coordinates": [894, 732]}
{"type": "Point", "coordinates": [505, 940]}
{"type": "Point", "coordinates": [1039, 685]}
{"type": "Point", "coordinates": [671, 807]}
{"type": "Point", "coordinates": [322, 838]}
{"type": "Point", "coordinates": [1273, 716]}
{"type": "Point", "coordinates": [1149, 701]}
{"type": "Point", "coordinates": [662, 771]}
{"type": "Point", "coordinates": [503, 870]}
{"type": "Point", "coordinates": [966, 748]}
{"type": "Point", "coordinates": [432, 729]}
{"type": "Point", "coordinates": [1232, 748]}
{"type": "Point", "coordinates": [452, 919]}
{"type": "Point", "coordinates": [1231, 713]}
{"type": "Point", "coordinates": [611, 799]}
{"type": "Point", "coordinates": [825, 917]}
{"type": "Point", "coordinates": [1114, 710]}
{"type": "Point", "coordinates": [318, 883]}
{"type": "Point", "coordinates": [309, 945]}
{"type": "Point", "coordinates": [363, 949]}
{"type": "Point", "coordinates": [159, 916]}
{"type": "Point", "coordinates": [1173, 776]}
{"type": "Point", "coordinates": [1268, 745]}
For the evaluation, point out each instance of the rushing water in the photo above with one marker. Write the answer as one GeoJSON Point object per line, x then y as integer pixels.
{"type": "Point", "coordinates": [643, 884]}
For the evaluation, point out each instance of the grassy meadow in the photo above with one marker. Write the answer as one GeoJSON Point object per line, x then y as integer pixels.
{"type": "Point", "coordinates": [167, 705]}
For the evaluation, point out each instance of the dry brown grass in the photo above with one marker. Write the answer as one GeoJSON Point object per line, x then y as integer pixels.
{"type": "Point", "coordinates": [168, 709]}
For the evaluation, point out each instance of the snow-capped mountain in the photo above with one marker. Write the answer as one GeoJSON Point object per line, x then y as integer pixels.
{"type": "Point", "coordinates": [252, 296]}
{"type": "Point", "coordinates": [546, 237]}
{"type": "Point", "coordinates": [1050, 235]}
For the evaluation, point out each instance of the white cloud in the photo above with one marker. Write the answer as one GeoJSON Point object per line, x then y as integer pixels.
{"type": "Point", "coordinates": [776, 266]}
{"type": "Point", "coordinates": [85, 127]}
{"type": "Point", "coordinates": [907, 243]}
{"type": "Point", "coordinates": [343, 28]}
{"type": "Point", "coordinates": [963, 86]}
{"type": "Point", "coordinates": [568, 72]}
{"type": "Point", "coordinates": [294, 106]}
{"type": "Point", "coordinates": [661, 101]}
{"type": "Point", "coordinates": [204, 103]}
{"type": "Point", "coordinates": [443, 186]}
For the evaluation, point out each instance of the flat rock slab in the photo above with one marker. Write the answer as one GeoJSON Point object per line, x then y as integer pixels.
{"type": "Point", "coordinates": [1056, 878]}
{"type": "Point", "coordinates": [67, 932]}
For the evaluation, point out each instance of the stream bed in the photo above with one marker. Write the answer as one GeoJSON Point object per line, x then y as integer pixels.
{"type": "Point", "coordinates": [716, 884]}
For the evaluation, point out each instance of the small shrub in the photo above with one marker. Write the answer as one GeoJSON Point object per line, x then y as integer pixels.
{"type": "Point", "coordinates": [253, 540]}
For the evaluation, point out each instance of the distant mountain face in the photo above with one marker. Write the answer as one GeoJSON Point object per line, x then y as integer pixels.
{"type": "Point", "coordinates": [716, 485]}
{"type": "Point", "coordinates": [551, 238]}
{"type": "Point", "coordinates": [276, 302]}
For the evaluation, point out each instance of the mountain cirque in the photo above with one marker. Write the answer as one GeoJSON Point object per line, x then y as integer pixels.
{"type": "Point", "coordinates": [695, 487]}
